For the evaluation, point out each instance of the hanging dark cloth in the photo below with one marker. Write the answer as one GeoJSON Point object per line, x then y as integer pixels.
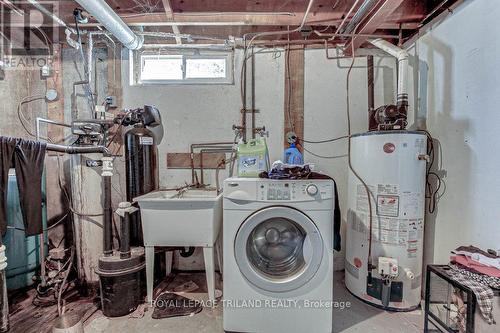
{"type": "Point", "coordinates": [28, 157]}
{"type": "Point", "coordinates": [304, 172]}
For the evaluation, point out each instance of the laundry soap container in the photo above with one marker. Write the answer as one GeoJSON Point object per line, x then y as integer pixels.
{"type": "Point", "coordinates": [253, 158]}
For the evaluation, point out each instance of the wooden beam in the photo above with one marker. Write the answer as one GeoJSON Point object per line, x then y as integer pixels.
{"type": "Point", "coordinates": [201, 18]}
{"type": "Point", "coordinates": [114, 75]}
{"type": "Point", "coordinates": [210, 19]}
{"type": "Point", "coordinates": [370, 25]}
{"type": "Point", "coordinates": [168, 9]}
{"type": "Point", "coordinates": [294, 93]}
{"type": "Point", "coordinates": [170, 17]}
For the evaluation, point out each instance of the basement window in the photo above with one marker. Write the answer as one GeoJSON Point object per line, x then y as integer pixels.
{"type": "Point", "coordinates": [182, 67]}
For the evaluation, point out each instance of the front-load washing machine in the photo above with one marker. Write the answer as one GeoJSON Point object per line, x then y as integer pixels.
{"type": "Point", "coordinates": [278, 255]}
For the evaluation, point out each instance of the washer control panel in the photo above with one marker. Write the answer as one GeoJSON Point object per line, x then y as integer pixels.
{"type": "Point", "coordinates": [294, 191]}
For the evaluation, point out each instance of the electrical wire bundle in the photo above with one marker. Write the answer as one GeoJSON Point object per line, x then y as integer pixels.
{"type": "Point", "coordinates": [56, 283]}
{"type": "Point", "coordinates": [431, 193]}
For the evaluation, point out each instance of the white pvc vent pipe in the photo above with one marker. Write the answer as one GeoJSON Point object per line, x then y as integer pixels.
{"type": "Point", "coordinates": [402, 56]}
{"type": "Point", "coordinates": [113, 23]}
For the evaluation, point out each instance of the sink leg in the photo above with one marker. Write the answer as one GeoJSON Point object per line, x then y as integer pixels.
{"type": "Point", "coordinates": [150, 269]}
{"type": "Point", "coordinates": [218, 248]}
{"type": "Point", "coordinates": [169, 256]}
{"type": "Point", "coordinates": [208, 255]}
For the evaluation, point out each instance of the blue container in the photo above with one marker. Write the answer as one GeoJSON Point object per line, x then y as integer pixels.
{"type": "Point", "coordinates": [22, 252]}
{"type": "Point", "coordinates": [293, 156]}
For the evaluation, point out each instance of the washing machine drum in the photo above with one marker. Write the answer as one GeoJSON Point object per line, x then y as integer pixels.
{"type": "Point", "coordinates": [278, 249]}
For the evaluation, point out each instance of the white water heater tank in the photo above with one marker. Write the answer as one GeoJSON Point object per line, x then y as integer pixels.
{"type": "Point", "coordinates": [393, 165]}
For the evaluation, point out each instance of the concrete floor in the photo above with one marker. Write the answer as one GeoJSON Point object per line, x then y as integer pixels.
{"type": "Point", "coordinates": [360, 317]}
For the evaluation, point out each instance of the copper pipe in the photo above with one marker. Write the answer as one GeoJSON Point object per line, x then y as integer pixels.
{"type": "Point", "coordinates": [212, 151]}
{"type": "Point", "coordinates": [244, 104]}
{"type": "Point", "coordinates": [202, 145]}
{"type": "Point", "coordinates": [253, 94]}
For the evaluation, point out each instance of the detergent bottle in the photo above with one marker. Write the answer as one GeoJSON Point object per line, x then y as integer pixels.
{"type": "Point", "coordinates": [253, 158]}
{"type": "Point", "coordinates": [293, 156]}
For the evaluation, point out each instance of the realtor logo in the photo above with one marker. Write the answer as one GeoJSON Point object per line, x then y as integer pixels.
{"type": "Point", "coordinates": [27, 34]}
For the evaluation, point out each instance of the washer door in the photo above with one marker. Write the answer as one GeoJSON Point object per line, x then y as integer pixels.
{"type": "Point", "coordinates": [278, 249]}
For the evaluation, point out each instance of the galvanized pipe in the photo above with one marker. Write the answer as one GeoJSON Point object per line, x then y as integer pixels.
{"type": "Point", "coordinates": [113, 23]}
{"type": "Point", "coordinates": [78, 149]}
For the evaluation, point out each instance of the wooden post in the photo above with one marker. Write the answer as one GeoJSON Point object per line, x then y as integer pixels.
{"type": "Point", "coordinates": [115, 89]}
{"type": "Point", "coordinates": [294, 93]}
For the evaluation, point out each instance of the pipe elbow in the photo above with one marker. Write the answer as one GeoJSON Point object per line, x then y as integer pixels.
{"type": "Point", "coordinates": [403, 55]}
{"type": "Point", "coordinates": [136, 43]}
{"type": "Point", "coordinates": [397, 52]}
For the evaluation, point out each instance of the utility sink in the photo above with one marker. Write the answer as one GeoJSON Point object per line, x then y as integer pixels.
{"type": "Point", "coordinates": [188, 217]}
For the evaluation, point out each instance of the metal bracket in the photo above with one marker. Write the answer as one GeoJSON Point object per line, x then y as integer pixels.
{"type": "Point", "coordinates": [249, 111]}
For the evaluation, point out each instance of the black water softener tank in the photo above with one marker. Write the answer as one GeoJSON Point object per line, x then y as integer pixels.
{"type": "Point", "coordinates": [141, 155]}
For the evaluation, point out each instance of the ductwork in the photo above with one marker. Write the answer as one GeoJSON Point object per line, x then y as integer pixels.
{"type": "Point", "coordinates": [113, 23]}
{"type": "Point", "coordinates": [402, 57]}
{"type": "Point", "coordinates": [364, 9]}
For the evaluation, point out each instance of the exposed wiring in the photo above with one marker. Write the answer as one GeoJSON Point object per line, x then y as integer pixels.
{"type": "Point", "coordinates": [324, 141]}
{"type": "Point", "coordinates": [51, 293]}
{"type": "Point", "coordinates": [267, 33]}
{"type": "Point", "coordinates": [120, 125]}
{"type": "Point", "coordinates": [55, 224]}
{"type": "Point", "coordinates": [22, 118]}
{"type": "Point", "coordinates": [369, 193]}
{"type": "Point", "coordinates": [87, 88]}
{"type": "Point", "coordinates": [68, 198]}
{"type": "Point", "coordinates": [318, 155]}
{"type": "Point", "coordinates": [431, 194]}
{"type": "Point", "coordinates": [60, 307]}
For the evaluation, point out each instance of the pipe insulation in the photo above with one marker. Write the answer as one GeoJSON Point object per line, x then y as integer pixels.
{"type": "Point", "coordinates": [113, 23]}
{"type": "Point", "coordinates": [402, 57]}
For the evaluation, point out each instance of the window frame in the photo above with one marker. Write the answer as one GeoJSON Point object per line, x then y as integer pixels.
{"type": "Point", "coordinates": [198, 53]}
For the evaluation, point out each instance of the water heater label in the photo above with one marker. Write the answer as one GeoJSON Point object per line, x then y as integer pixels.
{"type": "Point", "coordinates": [391, 231]}
{"type": "Point", "coordinates": [362, 197]}
{"type": "Point", "coordinates": [146, 140]}
{"type": "Point", "coordinates": [388, 205]}
{"type": "Point", "coordinates": [388, 189]}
